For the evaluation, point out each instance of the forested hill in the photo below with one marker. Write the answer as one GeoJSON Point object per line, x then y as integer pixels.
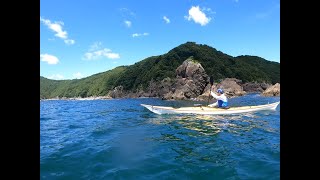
{"type": "Point", "coordinates": [216, 64]}
{"type": "Point", "coordinates": [95, 85]}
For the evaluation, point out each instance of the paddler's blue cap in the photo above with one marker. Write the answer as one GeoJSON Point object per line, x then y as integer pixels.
{"type": "Point", "coordinates": [220, 91]}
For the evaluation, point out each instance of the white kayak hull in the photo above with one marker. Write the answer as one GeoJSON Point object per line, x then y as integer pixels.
{"type": "Point", "coordinates": [209, 110]}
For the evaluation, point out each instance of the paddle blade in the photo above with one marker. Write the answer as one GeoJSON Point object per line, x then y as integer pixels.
{"type": "Point", "coordinates": [211, 80]}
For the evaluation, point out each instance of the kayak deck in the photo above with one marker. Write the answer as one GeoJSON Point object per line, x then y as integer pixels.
{"type": "Point", "coordinates": [209, 110]}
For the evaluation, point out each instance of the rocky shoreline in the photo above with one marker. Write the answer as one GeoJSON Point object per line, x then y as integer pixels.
{"type": "Point", "coordinates": [270, 91]}
{"type": "Point", "coordinates": [191, 83]}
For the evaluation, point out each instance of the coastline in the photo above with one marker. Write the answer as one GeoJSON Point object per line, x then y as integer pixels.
{"type": "Point", "coordinates": [141, 97]}
{"type": "Point", "coordinates": [78, 98]}
{"type": "Point", "coordinates": [91, 98]}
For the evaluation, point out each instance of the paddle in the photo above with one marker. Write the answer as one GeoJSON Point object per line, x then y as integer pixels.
{"type": "Point", "coordinates": [211, 83]}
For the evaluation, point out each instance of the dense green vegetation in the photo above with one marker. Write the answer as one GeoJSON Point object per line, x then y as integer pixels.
{"type": "Point", "coordinates": [156, 68]}
{"type": "Point", "coordinates": [95, 85]}
{"type": "Point", "coordinates": [216, 63]}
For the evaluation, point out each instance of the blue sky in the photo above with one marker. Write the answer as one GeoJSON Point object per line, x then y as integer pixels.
{"type": "Point", "coordinates": [79, 38]}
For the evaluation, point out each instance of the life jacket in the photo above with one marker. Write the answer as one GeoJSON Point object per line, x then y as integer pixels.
{"type": "Point", "coordinates": [222, 103]}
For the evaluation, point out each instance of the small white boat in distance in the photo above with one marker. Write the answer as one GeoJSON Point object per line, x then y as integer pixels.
{"type": "Point", "coordinates": [209, 110]}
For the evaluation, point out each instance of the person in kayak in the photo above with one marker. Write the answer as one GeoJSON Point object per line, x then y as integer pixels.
{"type": "Point", "coordinates": [222, 100]}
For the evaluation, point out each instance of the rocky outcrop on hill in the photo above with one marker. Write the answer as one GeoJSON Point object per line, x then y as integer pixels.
{"type": "Point", "coordinates": [272, 90]}
{"type": "Point", "coordinates": [191, 80]}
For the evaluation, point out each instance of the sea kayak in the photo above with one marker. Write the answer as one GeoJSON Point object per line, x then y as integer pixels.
{"type": "Point", "coordinates": [209, 110]}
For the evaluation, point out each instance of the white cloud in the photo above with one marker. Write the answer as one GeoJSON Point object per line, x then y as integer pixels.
{"type": "Point", "coordinates": [166, 19]}
{"type": "Point", "coordinates": [198, 16]}
{"type": "Point", "coordinates": [77, 75]}
{"type": "Point", "coordinates": [50, 59]}
{"type": "Point", "coordinates": [128, 23]}
{"type": "Point", "coordinates": [236, 1]}
{"type": "Point", "coordinates": [101, 53]}
{"type": "Point", "coordinates": [56, 77]}
{"type": "Point", "coordinates": [137, 34]}
{"type": "Point", "coordinates": [57, 28]}
{"type": "Point", "coordinates": [96, 51]}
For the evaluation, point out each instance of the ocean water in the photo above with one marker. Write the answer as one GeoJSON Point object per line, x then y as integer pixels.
{"type": "Point", "coordinates": [119, 139]}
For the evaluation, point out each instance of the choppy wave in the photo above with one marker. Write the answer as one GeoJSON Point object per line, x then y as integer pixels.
{"type": "Point", "coordinates": [119, 139]}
